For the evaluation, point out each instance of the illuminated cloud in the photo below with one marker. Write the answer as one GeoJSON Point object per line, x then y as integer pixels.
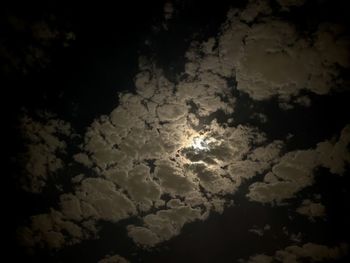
{"type": "Point", "coordinates": [274, 59]}
{"type": "Point", "coordinates": [162, 156]}
{"type": "Point", "coordinates": [295, 170]}
{"type": "Point", "coordinates": [163, 225]}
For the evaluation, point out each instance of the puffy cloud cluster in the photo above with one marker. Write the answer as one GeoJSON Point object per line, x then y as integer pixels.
{"type": "Point", "coordinates": [162, 156]}
{"type": "Point", "coordinates": [146, 156]}
{"type": "Point", "coordinates": [146, 148]}
{"type": "Point", "coordinates": [309, 251]}
{"type": "Point", "coordinates": [95, 199]}
{"type": "Point", "coordinates": [295, 170]}
{"type": "Point", "coordinates": [269, 58]}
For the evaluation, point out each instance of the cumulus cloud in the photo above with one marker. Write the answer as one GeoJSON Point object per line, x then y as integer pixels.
{"type": "Point", "coordinates": [140, 159]}
{"type": "Point", "coordinates": [162, 156]}
{"type": "Point", "coordinates": [270, 58]}
{"type": "Point", "coordinates": [146, 150]}
{"type": "Point", "coordinates": [95, 199]}
{"type": "Point", "coordinates": [163, 225]}
{"type": "Point", "coordinates": [295, 170]}
{"type": "Point", "coordinates": [104, 201]}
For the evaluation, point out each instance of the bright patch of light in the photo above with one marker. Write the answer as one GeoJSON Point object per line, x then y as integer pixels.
{"type": "Point", "coordinates": [200, 144]}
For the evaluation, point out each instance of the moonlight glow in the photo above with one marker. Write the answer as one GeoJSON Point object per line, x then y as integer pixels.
{"type": "Point", "coordinates": [200, 144]}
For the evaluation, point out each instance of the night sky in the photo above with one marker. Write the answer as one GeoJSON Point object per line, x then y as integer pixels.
{"type": "Point", "coordinates": [176, 131]}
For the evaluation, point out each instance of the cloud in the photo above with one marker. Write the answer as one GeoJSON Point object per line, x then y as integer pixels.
{"type": "Point", "coordinates": [270, 58]}
{"type": "Point", "coordinates": [168, 10]}
{"type": "Point", "coordinates": [261, 258]}
{"type": "Point", "coordinates": [104, 201]}
{"type": "Point", "coordinates": [54, 231]}
{"type": "Point", "coordinates": [95, 199]}
{"type": "Point", "coordinates": [295, 170]}
{"type": "Point", "coordinates": [311, 209]}
{"type": "Point", "coordinates": [172, 179]}
{"type": "Point", "coordinates": [171, 112]}
{"type": "Point", "coordinates": [163, 225]}
{"type": "Point", "coordinates": [140, 160]}
{"type": "Point", "coordinates": [144, 154]}
{"type": "Point", "coordinates": [138, 169]}
{"type": "Point", "coordinates": [70, 207]}
{"type": "Point", "coordinates": [287, 4]}
{"type": "Point", "coordinates": [113, 259]}
{"type": "Point", "coordinates": [46, 143]}
{"type": "Point", "coordinates": [253, 9]}
{"type": "Point", "coordinates": [309, 251]}
{"type": "Point", "coordinates": [143, 236]}
{"type": "Point", "coordinates": [335, 155]}
{"type": "Point", "coordinates": [83, 159]}
{"type": "Point", "coordinates": [260, 231]}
